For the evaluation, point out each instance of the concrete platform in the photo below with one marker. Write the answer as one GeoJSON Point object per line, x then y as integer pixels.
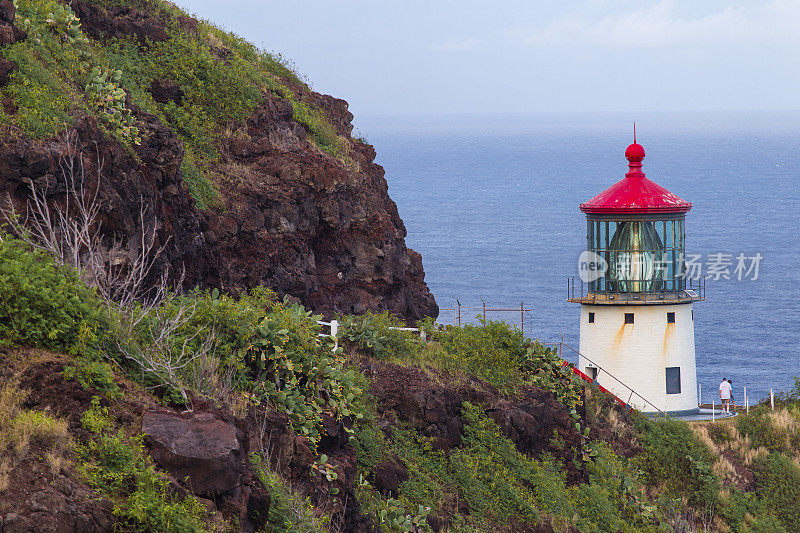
{"type": "Point", "coordinates": [701, 414]}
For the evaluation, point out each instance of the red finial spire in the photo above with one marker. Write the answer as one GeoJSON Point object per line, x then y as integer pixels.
{"type": "Point", "coordinates": [635, 153]}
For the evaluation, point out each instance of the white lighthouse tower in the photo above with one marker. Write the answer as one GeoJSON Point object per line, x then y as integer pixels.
{"type": "Point", "coordinates": [637, 322]}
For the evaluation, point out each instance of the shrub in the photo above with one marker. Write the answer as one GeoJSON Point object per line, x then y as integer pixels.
{"type": "Point", "coordinates": [93, 375]}
{"type": "Point", "coordinates": [500, 354]}
{"type": "Point", "coordinates": [299, 373]}
{"type": "Point", "coordinates": [503, 487]}
{"type": "Point", "coordinates": [107, 98]}
{"type": "Point", "coordinates": [543, 368]}
{"type": "Point", "coordinates": [490, 351]}
{"type": "Point", "coordinates": [42, 304]}
{"type": "Point", "coordinates": [778, 484]}
{"type": "Point", "coordinates": [764, 524]}
{"type": "Point", "coordinates": [372, 333]}
{"type": "Point", "coordinates": [739, 507]}
{"type": "Point", "coordinates": [675, 458]}
{"type": "Point", "coordinates": [622, 484]}
{"type": "Point", "coordinates": [369, 444]}
{"type": "Point", "coordinates": [540, 484]}
{"type": "Point", "coordinates": [389, 514]}
{"type": "Point", "coordinates": [233, 320]}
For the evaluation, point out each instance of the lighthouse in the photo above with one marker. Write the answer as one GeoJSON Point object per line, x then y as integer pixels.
{"type": "Point", "coordinates": [637, 318]}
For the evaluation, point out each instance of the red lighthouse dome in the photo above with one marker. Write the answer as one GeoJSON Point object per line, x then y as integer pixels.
{"type": "Point", "coordinates": [635, 193]}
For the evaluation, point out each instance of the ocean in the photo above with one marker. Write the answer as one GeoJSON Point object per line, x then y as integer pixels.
{"type": "Point", "coordinates": [491, 203]}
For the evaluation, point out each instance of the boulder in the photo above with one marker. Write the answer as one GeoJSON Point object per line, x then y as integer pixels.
{"type": "Point", "coordinates": [389, 475]}
{"type": "Point", "coordinates": [7, 11]}
{"type": "Point", "coordinates": [9, 34]}
{"type": "Point", "coordinates": [7, 68]}
{"type": "Point", "coordinates": [200, 450]}
{"type": "Point", "coordinates": [164, 91]}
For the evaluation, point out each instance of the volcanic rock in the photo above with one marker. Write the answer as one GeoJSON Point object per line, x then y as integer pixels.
{"type": "Point", "coordinates": [200, 449]}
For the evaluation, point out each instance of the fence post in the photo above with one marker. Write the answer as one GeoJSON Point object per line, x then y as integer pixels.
{"type": "Point", "coordinates": [459, 313]}
{"type": "Point", "coordinates": [522, 317]}
{"type": "Point", "coordinates": [713, 409]}
{"type": "Point", "coordinates": [335, 334]}
{"type": "Point", "coordinates": [771, 399]}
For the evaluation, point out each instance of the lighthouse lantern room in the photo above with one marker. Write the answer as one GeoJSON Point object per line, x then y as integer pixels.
{"type": "Point", "coordinates": [637, 321]}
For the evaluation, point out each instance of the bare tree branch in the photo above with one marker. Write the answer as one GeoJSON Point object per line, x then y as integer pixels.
{"type": "Point", "coordinates": [71, 234]}
{"type": "Point", "coordinates": [167, 355]}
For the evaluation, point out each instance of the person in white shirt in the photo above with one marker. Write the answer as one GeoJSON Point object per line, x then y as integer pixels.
{"type": "Point", "coordinates": [725, 394]}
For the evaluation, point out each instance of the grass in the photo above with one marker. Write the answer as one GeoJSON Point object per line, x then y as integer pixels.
{"type": "Point", "coordinates": [777, 431]}
{"type": "Point", "coordinates": [33, 427]}
{"type": "Point", "coordinates": [20, 428]}
{"type": "Point", "coordinates": [23, 429]}
{"type": "Point", "coordinates": [5, 470]}
{"type": "Point", "coordinates": [288, 512]}
{"type": "Point", "coordinates": [11, 398]}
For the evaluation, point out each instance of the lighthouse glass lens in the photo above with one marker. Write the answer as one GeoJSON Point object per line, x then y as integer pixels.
{"type": "Point", "coordinates": [636, 258]}
{"type": "Point", "coordinates": [640, 255]}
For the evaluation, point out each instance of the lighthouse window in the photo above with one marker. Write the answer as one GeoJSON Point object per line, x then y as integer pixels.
{"type": "Point", "coordinates": [629, 318]}
{"type": "Point", "coordinates": [670, 318]}
{"type": "Point", "coordinates": [591, 318]}
{"type": "Point", "coordinates": [674, 380]}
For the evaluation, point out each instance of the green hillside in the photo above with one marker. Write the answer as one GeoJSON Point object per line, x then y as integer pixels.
{"type": "Point", "coordinates": [62, 71]}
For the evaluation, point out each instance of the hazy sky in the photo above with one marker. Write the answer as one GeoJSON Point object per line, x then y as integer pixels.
{"type": "Point", "coordinates": [442, 56]}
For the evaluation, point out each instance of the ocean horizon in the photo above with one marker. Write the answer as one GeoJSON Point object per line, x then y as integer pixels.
{"type": "Point", "coordinates": [491, 203]}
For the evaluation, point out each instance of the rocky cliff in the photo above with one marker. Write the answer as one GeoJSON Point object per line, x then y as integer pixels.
{"type": "Point", "coordinates": [287, 213]}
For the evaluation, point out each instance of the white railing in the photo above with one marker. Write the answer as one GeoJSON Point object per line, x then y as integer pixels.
{"type": "Point", "coordinates": [422, 335]}
{"type": "Point", "coordinates": [334, 332]}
